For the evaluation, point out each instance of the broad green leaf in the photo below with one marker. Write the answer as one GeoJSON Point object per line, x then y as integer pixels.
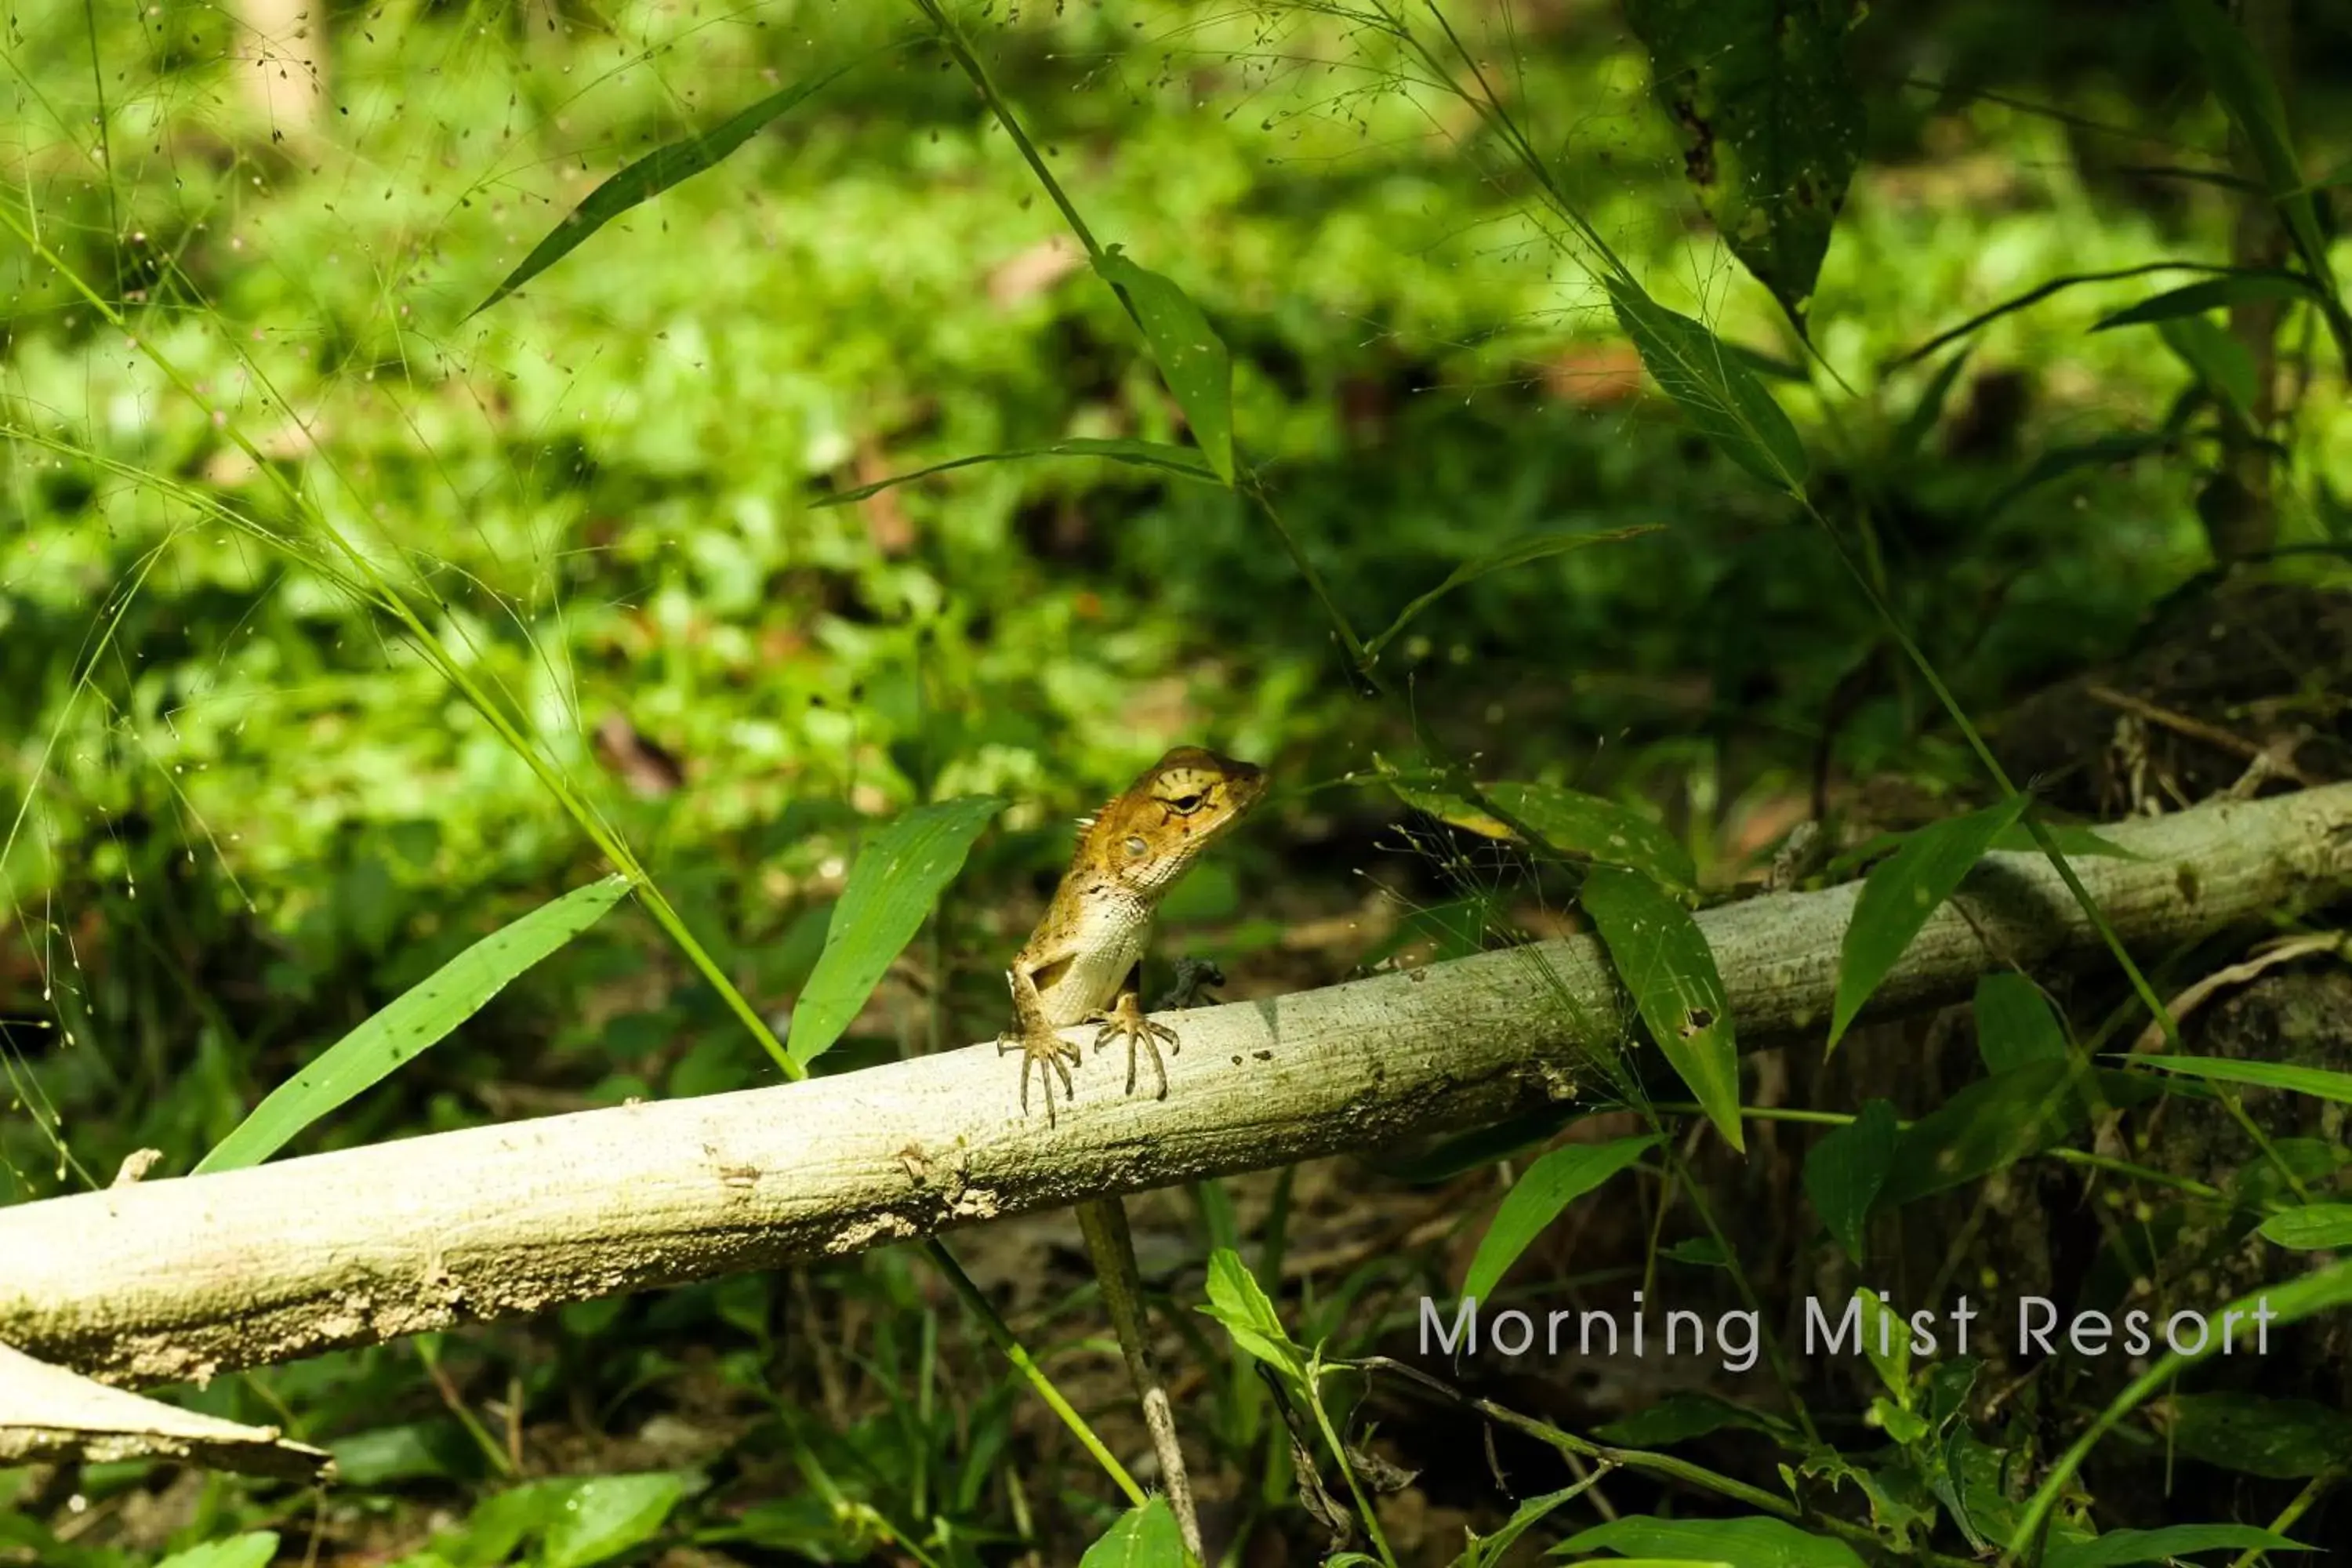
{"type": "Point", "coordinates": [1715, 390]}
{"type": "Point", "coordinates": [2253, 103]}
{"type": "Point", "coordinates": [1758, 1543]}
{"type": "Point", "coordinates": [2286, 1440]}
{"type": "Point", "coordinates": [1663, 957]}
{"type": "Point", "coordinates": [1845, 1171]}
{"type": "Point", "coordinates": [2213, 294]}
{"type": "Point", "coordinates": [1238, 1301]}
{"type": "Point", "coordinates": [1901, 892]}
{"type": "Point", "coordinates": [1486, 1550]}
{"type": "Point", "coordinates": [1191, 357]}
{"type": "Point", "coordinates": [1519, 553]}
{"type": "Point", "coordinates": [2127, 1548]}
{"type": "Point", "coordinates": [2223, 366]}
{"type": "Point", "coordinates": [2317, 1082]}
{"type": "Point", "coordinates": [657, 171]}
{"type": "Point", "coordinates": [251, 1551]}
{"type": "Point", "coordinates": [899, 875]}
{"type": "Point", "coordinates": [501, 1522]}
{"type": "Point", "coordinates": [1771, 123]}
{"type": "Point", "coordinates": [1886, 1344]}
{"type": "Point", "coordinates": [2074, 841]}
{"type": "Point", "coordinates": [1536, 1198]}
{"type": "Point", "coordinates": [1993, 1122]}
{"type": "Point", "coordinates": [2014, 1023]}
{"type": "Point", "coordinates": [1583, 825]}
{"type": "Point", "coordinates": [1180, 461]}
{"type": "Point", "coordinates": [417, 1019]}
{"type": "Point", "coordinates": [2315, 1227]}
{"type": "Point", "coordinates": [603, 1516]}
{"type": "Point", "coordinates": [1144, 1537]}
{"type": "Point", "coordinates": [1679, 1417]}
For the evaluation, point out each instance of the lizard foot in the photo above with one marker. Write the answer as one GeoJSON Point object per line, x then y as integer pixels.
{"type": "Point", "coordinates": [1126, 1018]}
{"type": "Point", "coordinates": [1048, 1047]}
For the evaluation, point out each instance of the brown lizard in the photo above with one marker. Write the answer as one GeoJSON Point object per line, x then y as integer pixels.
{"type": "Point", "coordinates": [1078, 968]}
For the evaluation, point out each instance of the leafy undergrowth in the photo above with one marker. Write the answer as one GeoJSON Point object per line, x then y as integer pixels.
{"type": "Point", "coordinates": [1603, 461]}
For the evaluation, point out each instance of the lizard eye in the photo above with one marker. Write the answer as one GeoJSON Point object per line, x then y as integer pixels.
{"type": "Point", "coordinates": [1137, 849]}
{"type": "Point", "coordinates": [1186, 805]}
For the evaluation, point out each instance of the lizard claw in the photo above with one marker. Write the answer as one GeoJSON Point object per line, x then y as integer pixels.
{"type": "Point", "coordinates": [1126, 1018]}
{"type": "Point", "coordinates": [1057, 1055]}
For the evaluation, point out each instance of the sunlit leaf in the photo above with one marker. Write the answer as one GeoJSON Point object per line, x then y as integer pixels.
{"type": "Point", "coordinates": [1901, 892]}
{"type": "Point", "coordinates": [1517, 553]}
{"type": "Point", "coordinates": [420, 1017]}
{"type": "Point", "coordinates": [2315, 1227]}
{"type": "Point", "coordinates": [1179, 460]}
{"type": "Point", "coordinates": [2317, 1082]}
{"type": "Point", "coordinates": [255, 1550]}
{"type": "Point", "coordinates": [1488, 1550]}
{"type": "Point", "coordinates": [2213, 294]}
{"type": "Point", "coordinates": [2223, 366]}
{"type": "Point", "coordinates": [1191, 357]}
{"type": "Point", "coordinates": [1536, 1198]}
{"type": "Point", "coordinates": [1663, 956]}
{"type": "Point", "coordinates": [1756, 1543]}
{"type": "Point", "coordinates": [2014, 1023]}
{"type": "Point", "coordinates": [1144, 1537]}
{"type": "Point", "coordinates": [600, 1517]}
{"type": "Point", "coordinates": [1845, 1171]}
{"type": "Point", "coordinates": [2129, 1548]}
{"type": "Point", "coordinates": [1238, 1301]}
{"type": "Point", "coordinates": [1770, 123]}
{"type": "Point", "coordinates": [899, 875]}
{"type": "Point", "coordinates": [1715, 390]}
{"type": "Point", "coordinates": [657, 171]}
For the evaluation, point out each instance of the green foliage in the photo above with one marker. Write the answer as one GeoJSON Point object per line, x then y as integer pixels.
{"type": "Point", "coordinates": [1144, 1537]}
{"type": "Point", "coordinates": [1543, 1191]}
{"type": "Point", "coordinates": [1901, 892]}
{"type": "Point", "coordinates": [1663, 959]}
{"type": "Point", "coordinates": [1846, 1171]}
{"type": "Point", "coordinates": [1751, 1543]}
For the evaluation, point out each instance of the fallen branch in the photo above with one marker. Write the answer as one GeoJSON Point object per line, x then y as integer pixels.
{"type": "Point", "coordinates": [175, 1279]}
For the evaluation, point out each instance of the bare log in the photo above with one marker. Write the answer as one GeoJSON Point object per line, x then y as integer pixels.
{"type": "Point", "coordinates": [175, 1279]}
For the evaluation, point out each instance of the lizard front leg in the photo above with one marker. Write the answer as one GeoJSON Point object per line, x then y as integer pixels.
{"type": "Point", "coordinates": [1033, 1037]}
{"type": "Point", "coordinates": [1125, 1019]}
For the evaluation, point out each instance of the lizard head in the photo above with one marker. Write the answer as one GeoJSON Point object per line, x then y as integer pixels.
{"type": "Point", "coordinates": [1146, 837]}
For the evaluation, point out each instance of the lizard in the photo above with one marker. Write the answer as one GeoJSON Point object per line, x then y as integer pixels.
{"type": "Point", "coordinates": [1079, 967]}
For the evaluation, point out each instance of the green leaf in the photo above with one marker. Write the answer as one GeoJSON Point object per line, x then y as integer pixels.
{"type": "Point", "coordinates": [1992, 1123]}
{"type": "Point", "coordinates": [1714, 388]}
{"type": "Point", "coordinates": [1758, 1543]}
{"type": "Point", "coordinates": [1770, 123]}
{"type": "Point", "coordinates": [2014, 1023]}
{"type": "Point", "coordinates": [2223, 366]}
{"type": "Point", "coordinates": [1517, 553]}
{"type": "Point", "coordinates": [1663, 959]}
{"type": "Point", "coordinates": [2213, 294]}
{"type": "Point", "coordinates": [1239, 1302]}
{"type": "Point", "coordinates": [1485, 1550]}
{"type": "Point", "coordinates": [2074, 841]}
{"type": "Point", "coordinates": [2315, 1227]}
{"type": "Point", "coordinates": [1536, 1198]}
{"type": "Point", "coordinates": [1881, 1324]}
{"type": "Point", "coordinates": [1179, 460]}
{"type": "Point", "coordinates": [1845, 1171]}
{"type": "Point", "coordinates": [601, 1516]}
{"type": "Point", "coordinates": [1901, 892]}
{"type": "Point", "coordinates": [1191, 357]}
{"type": "Point", "coordinates": [1586, 825]}
{"type": "Point", "coordinates": [899, 875]}
{"type": "Point", "coordinates": [657, 171]}
{"type": "Point", "coordinates": [1144, 1537]}
{"type": "Point", "coordinates": [2254, 106]}
{"type": "Point", "coordinates": [2317, 1082]}
{"type": "Point", "coordinates": [419, 1018]}
{"type": "Point", "coordinates": [250, 1550]}
{"type": "Point", "coordinates": [2124, 1548]}
{"type": "Point", "coordinates": [1679, 1417]}
{"type": "Point", "coordinates": [2284, 1439]}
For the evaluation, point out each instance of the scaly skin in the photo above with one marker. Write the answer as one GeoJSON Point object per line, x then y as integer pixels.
{"type": "Point", "coordinates": [1078, 968]}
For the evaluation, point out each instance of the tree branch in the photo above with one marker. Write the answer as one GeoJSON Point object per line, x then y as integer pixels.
{"type": "Point", "coordinates": [175, 1279]}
